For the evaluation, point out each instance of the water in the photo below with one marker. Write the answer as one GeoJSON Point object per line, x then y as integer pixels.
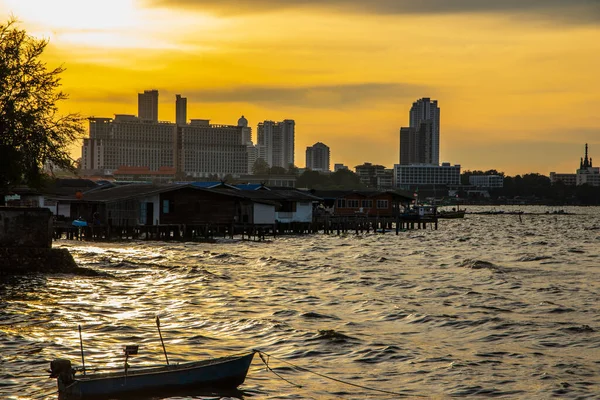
{"type": "Point", "coordinates": [489, 306]}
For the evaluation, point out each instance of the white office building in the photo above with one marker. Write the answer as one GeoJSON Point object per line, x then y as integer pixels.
{"type": "Point", "coordinates": [197, 148]}
{"type": "Point", "coordinates": [127, 141]}
{"type": "Point", "coordinates": [275, 142]}
{"type": "Point", "coordinates": [426, 174]}
{"type": "Point", "coordinates": [207, 149]}
{"type": "Point", "coordinates": [487, 181]}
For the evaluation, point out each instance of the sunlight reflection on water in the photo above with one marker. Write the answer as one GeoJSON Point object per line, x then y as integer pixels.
{"type": "Point", "coordinates": [485, 306]}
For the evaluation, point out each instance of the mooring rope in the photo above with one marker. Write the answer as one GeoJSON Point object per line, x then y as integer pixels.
{"type": "Point", "coordinates": [260, 353]}
{"type": "Point", "coordinates": [271, 369]}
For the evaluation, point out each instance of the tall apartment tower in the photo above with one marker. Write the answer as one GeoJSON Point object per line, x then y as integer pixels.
{"type": "Point", "coordinates": [180, 110]}
{"type": "Point", "coordinates": [426, 111]}
{"type": "Point", "coordinates": [318, 157]}
{"type": "Point", "coordinates": [416, 144]}
{"type": "Point", "coordinates": [275, 142]}
{"type": "Point", "coordinates": [148, 105]}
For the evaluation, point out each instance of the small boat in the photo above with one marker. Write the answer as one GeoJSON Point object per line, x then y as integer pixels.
{"type": "Point", "coordinates": [452, 214]}
{"type": "Point", "coordinates": [224, 373]}
{"type": "Point", "coordinates": [211, 375]}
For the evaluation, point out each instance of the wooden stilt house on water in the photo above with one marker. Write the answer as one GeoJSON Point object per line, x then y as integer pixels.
{"type": "Point", "coordinates": [368, 203]}
{"type": "Point", "coordinates": [170, 208]}
{"type": "Point", "coordinates": [294, 206]}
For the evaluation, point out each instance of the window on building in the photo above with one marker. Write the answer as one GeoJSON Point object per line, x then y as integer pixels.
{"type": "Point", "coordinates": [367, 204]}
{"type": "Point", "coordinates": [341, 203]}
{"type": "Point", "coordinates": [353, 203]}
{"type": "Point", "coordinates": [382, 204]}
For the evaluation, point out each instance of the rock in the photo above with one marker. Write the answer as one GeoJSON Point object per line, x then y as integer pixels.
{"type": "Point", "coordinates": [22, 261]}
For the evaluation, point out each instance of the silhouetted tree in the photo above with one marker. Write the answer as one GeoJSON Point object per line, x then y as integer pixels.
{"type": "Point", "coordinates": [32, 131]}
{"type": "Point", "coordinates": [277, 171]}
{"type": "Point", "coordinates": [312, 180]}
{"type": "Point", "coordinates": [260, 167]}
{"type": "Point", "coordinates": [292, 170]}
{"type": "Point", "coordinates": [345, 179]}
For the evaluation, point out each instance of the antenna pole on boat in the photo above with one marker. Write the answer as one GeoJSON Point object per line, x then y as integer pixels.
{"type": "Point", "coordinates": [81, 347]}
{"type": "Point", "coordinates": [161, 339]}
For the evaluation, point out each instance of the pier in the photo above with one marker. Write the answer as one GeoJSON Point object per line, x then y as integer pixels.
{"type": "Point", "coordinates": [209, 232]}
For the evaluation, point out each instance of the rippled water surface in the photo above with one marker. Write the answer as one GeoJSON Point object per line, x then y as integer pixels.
{"type": "Point", "coordinates": [489, 306]}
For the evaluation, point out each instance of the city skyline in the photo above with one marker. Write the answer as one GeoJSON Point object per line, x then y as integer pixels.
{"type": "Point", "coordinates": [515, 79]}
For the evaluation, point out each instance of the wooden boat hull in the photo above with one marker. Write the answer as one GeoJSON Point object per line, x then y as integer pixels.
{"type": "Point", "coordinates": [452, 214]}
{"type": "Point", "coordinates": [220, 373]}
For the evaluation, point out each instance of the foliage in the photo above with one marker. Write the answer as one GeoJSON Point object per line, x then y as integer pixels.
{"type": "Point", "coordinates": [260, 167]}
{"type": "Point", "coordinates": [31, 130]}
{"type": "Point", "coordinates": [277, 171]}
{"type": "Point", "coordinates": [292, 170]}
{"type": "Point", "coordinates": [342, 179]}
{"type": "Point", "coordinates": [534, 188]}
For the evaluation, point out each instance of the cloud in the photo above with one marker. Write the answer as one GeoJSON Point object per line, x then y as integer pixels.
{"type": "Point", "coordinates": [330, 96]}
{"type": "Point", "coordinates": [572, 11]}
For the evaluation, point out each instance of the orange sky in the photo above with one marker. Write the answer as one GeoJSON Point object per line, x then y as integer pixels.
{"type": "Point", "coordinates": [516, 80]}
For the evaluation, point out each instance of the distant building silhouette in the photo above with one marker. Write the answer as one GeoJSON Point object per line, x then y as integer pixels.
{"type": "Point", "coordinates": [409, 176]}
{"type": "Point", "coordinates": [486, 181]}
{"type": "Point", "coordinates": [420, 142]}
{"type": "Point", "coordinates": [180, 110]}
{"type": "Point", "coordinates": [375, 176]}
{"type": "Point", "coordinates": [425, 111]}
{"type": "Point", "coordinates": [197, 148]}
{"type": "Point", "coordinates": [318, 157]}
{"type": "Point", "coordinates": [585, 174]}
{"type": "Point", "coordinates": [251, 150]}
{"type": "Point", "coordinates": [275, 142]}
{"type": "Point", "coordinates": [148, 105]}
{"type": "Point", "coordinates": [337, 167]}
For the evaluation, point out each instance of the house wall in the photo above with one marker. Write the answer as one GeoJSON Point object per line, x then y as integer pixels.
{"type": "Point", "coordinates": [264, 214]}
{"type": "Point", "coordinates": [64, 210]}
{"type": "Point", "coordinates": [193, 206]}
{"type": "Point", "coordinates": [155, 200]}
{"type": "Point", "coordinates": [353, 209]}
{"type": "Point", "coordinates": [303, 213]}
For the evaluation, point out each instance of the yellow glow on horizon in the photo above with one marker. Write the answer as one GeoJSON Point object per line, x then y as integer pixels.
{"type": "Point", "coordinates": [500, 80]}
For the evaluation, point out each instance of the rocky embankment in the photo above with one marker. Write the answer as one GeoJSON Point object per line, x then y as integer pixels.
{"type": "Point", "coordinates": [22, 261]}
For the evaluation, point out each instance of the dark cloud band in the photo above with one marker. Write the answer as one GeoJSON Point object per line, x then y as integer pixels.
{"type": "Point", "coordinates": [573, 11]}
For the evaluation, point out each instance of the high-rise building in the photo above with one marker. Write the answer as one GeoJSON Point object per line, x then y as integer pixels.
{"type": "Point", "coordinates": [127, 141]}
{"type": "Point", "coordinates": [180, 110]}
{"type": "Point", "coordinates": [148, 105]}
{"type": "Point", "coordinates": [318, 157]}
{"type": "Point", "coordinates": [420, 143]}
{"type": "Point", "coordinates": [275, 142]}
{"type": "Point", "coordinates": [197, 148]}
{"type": "Point", "coordinates": [415, 144]}
{"type": "Point", "coordinates": [369, 174]}
{"type": "Point", "coordinates": [208, 149]}
{"type": "Point", "coordinates": [411, 176]}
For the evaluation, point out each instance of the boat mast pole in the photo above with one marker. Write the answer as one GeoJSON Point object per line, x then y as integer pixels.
{"type": "Point", "coordinates": [161, 339]}
{"type": "Point", "coordinates": [81, 347]}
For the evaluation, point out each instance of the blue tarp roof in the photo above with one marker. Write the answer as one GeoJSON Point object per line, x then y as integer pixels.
{"type": "Point", "coordinates": [249, 186]}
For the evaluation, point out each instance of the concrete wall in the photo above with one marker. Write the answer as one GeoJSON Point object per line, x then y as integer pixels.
{"type": "Point", "coordinates": [25, 227]}
{"type": "Point", "coordinates": [264, 214]}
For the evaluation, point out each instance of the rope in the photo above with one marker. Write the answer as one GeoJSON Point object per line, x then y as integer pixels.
{"type": "Point", "coordinates": [260, 353]}
{"type": "Point", "coordinates": [271, 369]}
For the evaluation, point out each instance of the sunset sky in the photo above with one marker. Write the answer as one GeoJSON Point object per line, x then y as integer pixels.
{"type": "Point", "coordinates": [517, 80]}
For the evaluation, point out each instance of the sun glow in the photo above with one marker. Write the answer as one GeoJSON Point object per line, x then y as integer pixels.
{"type": "Point", "coordinates": [76, 15]}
